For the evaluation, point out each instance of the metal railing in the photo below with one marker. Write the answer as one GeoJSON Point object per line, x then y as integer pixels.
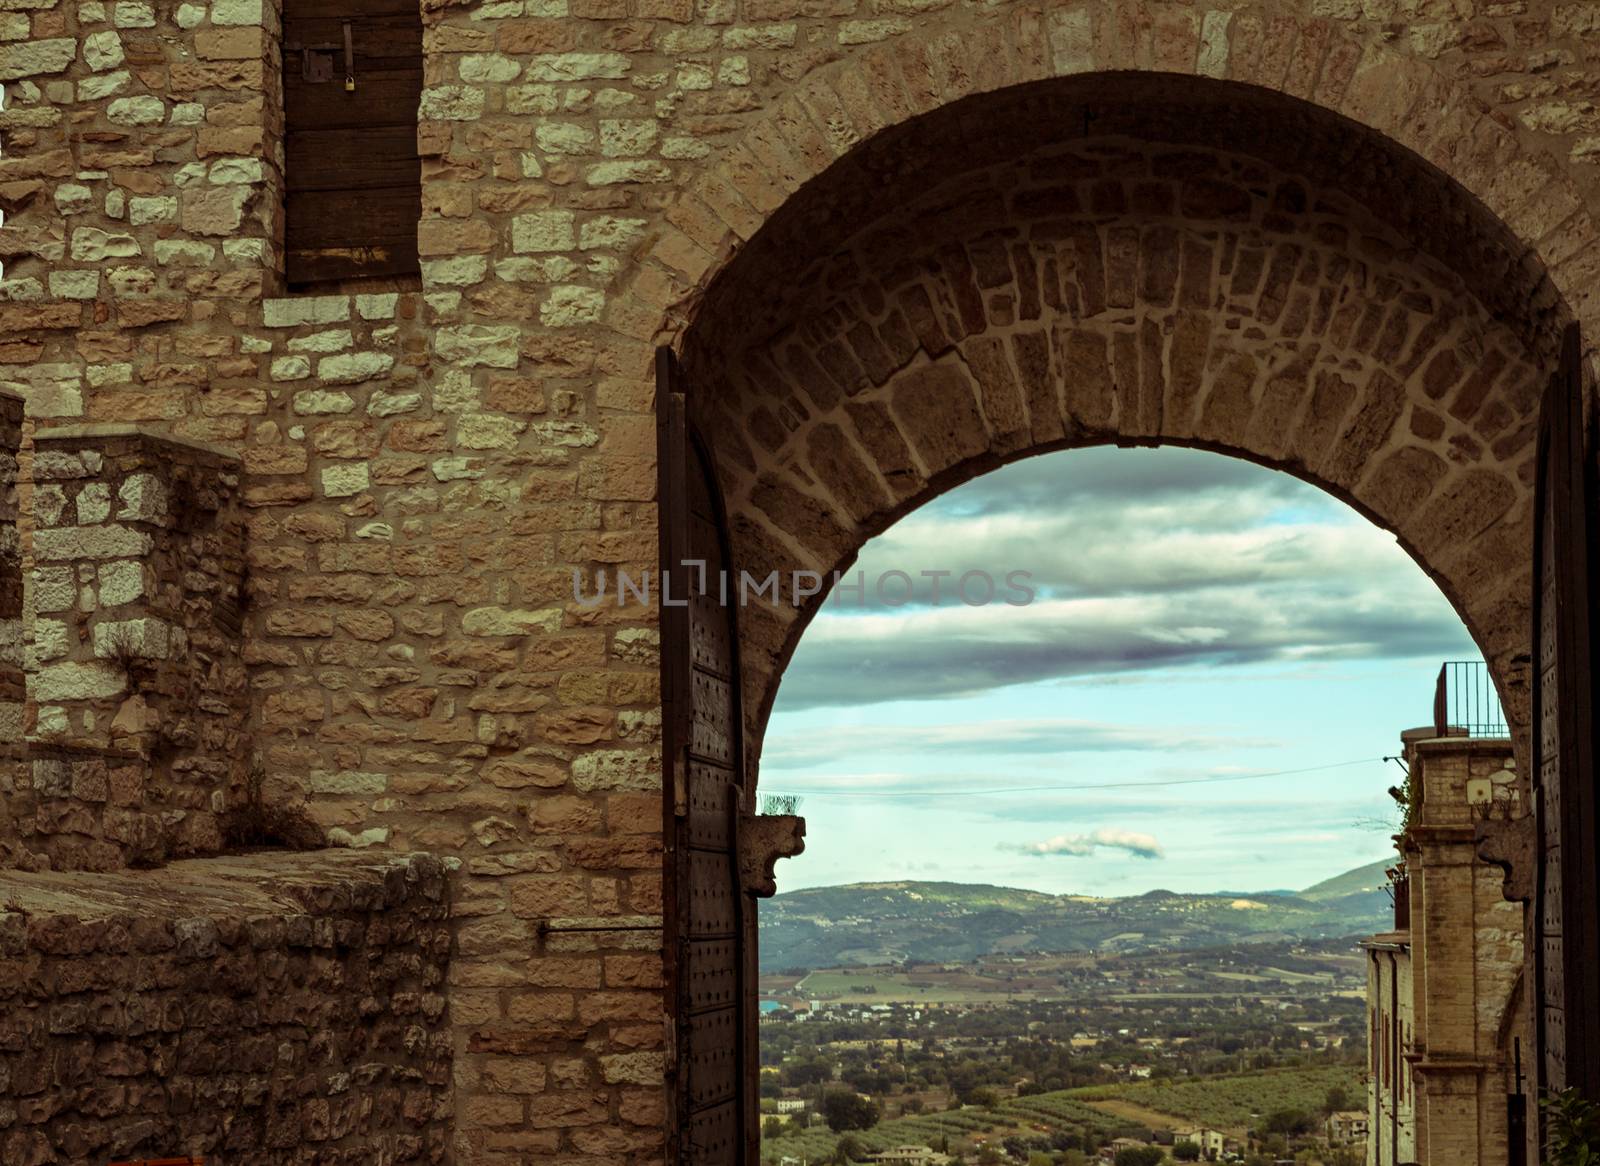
{"type": "Point", "coordinates": [1465, 702]}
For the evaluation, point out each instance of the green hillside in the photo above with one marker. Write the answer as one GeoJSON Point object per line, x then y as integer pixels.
{"type": "Point", "coordinates": [877, 923]}
{"type": "Point", "coordinates": [1373, 876]}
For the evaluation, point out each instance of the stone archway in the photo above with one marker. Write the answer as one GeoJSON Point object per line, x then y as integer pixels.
{"type": "Point", "coordinates": [1130, 258]}
{"type": "Point", "coordinates": [1142, 283]}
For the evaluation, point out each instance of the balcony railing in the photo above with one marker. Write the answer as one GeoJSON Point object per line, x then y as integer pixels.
{"type": "Point", "coordinates": [1465, 702]}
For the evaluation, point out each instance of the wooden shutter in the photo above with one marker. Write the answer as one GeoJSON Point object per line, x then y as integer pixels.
{"type": "Point", "coordinates": [353, 178]}
{"type": "Point", "coordinates": [1567, 951]}
{"type": "Point", "coordinates": [711, 920]}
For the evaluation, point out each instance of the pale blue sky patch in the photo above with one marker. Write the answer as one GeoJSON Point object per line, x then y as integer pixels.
{"type": "Point", "coordinates": [1201, 622]}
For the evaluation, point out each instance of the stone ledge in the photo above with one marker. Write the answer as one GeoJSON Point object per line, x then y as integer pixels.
{"type": "Point", "coordinates": [236, 886]}
{"type": "Point", "coordinates": [106, 429]}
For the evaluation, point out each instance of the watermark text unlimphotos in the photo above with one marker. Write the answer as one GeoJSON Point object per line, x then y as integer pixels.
{"type": "Point", "coordinates": [975, 588]}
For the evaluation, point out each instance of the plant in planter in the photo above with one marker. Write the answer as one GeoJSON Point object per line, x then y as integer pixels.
{"type": "Point", "coordinates": [1572, 1129]}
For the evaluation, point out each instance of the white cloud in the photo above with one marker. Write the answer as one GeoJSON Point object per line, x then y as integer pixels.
{"type": "Point", "coordinates": [1084, 845]}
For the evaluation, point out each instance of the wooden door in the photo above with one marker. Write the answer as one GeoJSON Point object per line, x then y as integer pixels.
{"type": "Point", "coordinates": [352, 80]}
{"type": "Point", "coordinates": [1567, 951]}
{"type": "Point", "coordinates": [710, 920]}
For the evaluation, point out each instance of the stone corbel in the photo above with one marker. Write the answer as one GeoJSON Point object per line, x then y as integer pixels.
{"type": "Point", "coordinates": [1512, 845]}
{"type": "Point", "coordinates": [763, 839]}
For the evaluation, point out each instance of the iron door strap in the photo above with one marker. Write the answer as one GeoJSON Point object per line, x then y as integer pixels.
{"type": "Point", "coordinates": [316, 61]}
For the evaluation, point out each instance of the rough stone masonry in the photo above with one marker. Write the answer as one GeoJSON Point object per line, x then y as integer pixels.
{"type": "Point", "coordinates": [329, 538]}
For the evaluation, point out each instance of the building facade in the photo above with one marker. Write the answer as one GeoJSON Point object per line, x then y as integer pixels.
{"type": "Point", "coordinates": [311, 563]}
{"type": "Point", "coordinates": [1448, 1023]}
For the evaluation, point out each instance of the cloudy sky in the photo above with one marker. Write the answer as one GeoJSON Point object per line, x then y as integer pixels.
{"type": "Point", "coordinates": [1215, 659]}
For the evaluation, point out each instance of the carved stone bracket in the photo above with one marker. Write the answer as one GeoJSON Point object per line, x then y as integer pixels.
{"type": "Point", "coordinates": [763, 839]}
{"type": "Point", "coordinates": [1512, 845]}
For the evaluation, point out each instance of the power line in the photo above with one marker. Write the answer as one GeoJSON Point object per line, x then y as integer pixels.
{"type": "Point", "coordinates": [1118, 785]}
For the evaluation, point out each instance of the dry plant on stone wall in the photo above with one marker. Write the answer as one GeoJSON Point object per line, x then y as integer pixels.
{"type": "Point", "coordinates": [255, 824]}
{"type": "Point", "coordinates": [122, 652]}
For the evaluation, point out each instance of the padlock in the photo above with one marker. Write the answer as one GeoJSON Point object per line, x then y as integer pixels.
{"type": "Point", "coordinates": [349, 84]}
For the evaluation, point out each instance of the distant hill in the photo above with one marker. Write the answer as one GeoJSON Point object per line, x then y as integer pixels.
{"type": "Point", "coordinates": [1373, 876]}
{"type": "Point", "coordinates": [875, 923]}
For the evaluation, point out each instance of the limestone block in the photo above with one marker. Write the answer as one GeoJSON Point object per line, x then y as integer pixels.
{"type": "Point", "coordinates": [500, 621]}
{"type": "Point", "coordinates": [104, 85]}
{"type": "Point", "coordinates": [94, 503]}
{"type": "Point", "coordinates": [570, 306]}
{"type": "Point", "coordinates": [578, 66]}
{"type": "Point", "coordinates": [148, 639]}
{"type": "Point", "coordinates": [143, 498]}
{"type": "Point", "coordinates": [236, 12]}
{"type": "Point", "coordinates": [289, 313]}
{"type": "Point", "coordinates": [91, 245]}
{"type": "Point", "coordinates": [479, 68]}
{"type": "Point", "coordinates": [332, 340]}
{"type": "Point", "coordinates": [232, 171]}
{"type": "Point", "coordinates": [451, 103]}
{"type": "Point", "coordinates": [36, 58]}
{"type": "Point", "coordinates": [95, 542]}
{"type": "Point", "coordinates": [102, 50]}
{"type": "Point", "coordinates": [120, 582]}
{"type": "Point", "coordinates": [377, 307]}
{"type": "Point", "coordinates": [543, 231]}
{"type": "Point", "coordinates": [72, 681]}
{"type": "Point", "coordinates": [347, 782]}
{"type": "Point", "coordinates": [290, 368]}
{"type": "Point", "coordinates": [345, 480]}
{"type": "Point", "coordinates": [353, 367]}
{"type": "Point", "coordinates": [215, 211]}
{"type": "Point", "coordinates": [456, 271]}
{"type": "Point", "coordinates": [143, 110]}
{"type": "Point", "coordinates": [184, 252]}
{"type": "Point", "coordinates": [316, 402]}
{"type": "Point", "coordinates": [133, 14]}
{"type": "Point", "coordinates": [151, 210]}
{"type": "Point", "coordinates": [472, 345]}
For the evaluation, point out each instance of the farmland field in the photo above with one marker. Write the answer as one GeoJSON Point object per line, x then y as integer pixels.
{"type": "Point", "coordinates": [1231, 1103]}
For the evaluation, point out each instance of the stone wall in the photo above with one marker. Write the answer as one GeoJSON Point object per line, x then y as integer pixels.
{"type": "Point", "coordinates": [255, 1011]}
{"type": "Point", "coordinates": [425, 467]}
{"type": "Point", "coordinates": [11, 682]}
{"type": "Point", "coordinates": [137, 700]}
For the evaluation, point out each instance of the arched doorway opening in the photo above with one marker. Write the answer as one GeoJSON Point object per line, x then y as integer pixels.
{"type": "Point", "coordinates": [1115, 258]}
{"type": "Point", "coordinates": [1019, 820]}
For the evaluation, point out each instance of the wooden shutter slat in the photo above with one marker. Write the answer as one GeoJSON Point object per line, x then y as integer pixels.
{"type": "Point", "coordinates": [373, 38]}
{"type": "Point", "coordinates": [386, 98]}
{"type": "Point", "coordinates": [355, 159]}
{"type": "Point", "coordinates": [391, 216]}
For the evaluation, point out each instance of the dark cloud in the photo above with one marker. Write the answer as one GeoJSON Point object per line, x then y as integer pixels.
{"type": "Point", "coordinates": [1142, 560]}
{"type": "Point", "coordinates": [987, 738]}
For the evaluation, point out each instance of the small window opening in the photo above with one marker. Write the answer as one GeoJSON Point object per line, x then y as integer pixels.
{"type": "Point", "coordinates": [352, 80]}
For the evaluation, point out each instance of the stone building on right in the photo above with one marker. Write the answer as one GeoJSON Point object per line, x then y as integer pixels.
{"type": "Point", "coordinates": [1448, 1082]}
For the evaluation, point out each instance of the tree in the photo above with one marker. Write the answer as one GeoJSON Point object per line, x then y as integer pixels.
{"type": "Point", "coordinates": [1139, 1156]}
{"type": "Point", "coordinates": [845, 1109]}
{"type": "Point", "coordinates": [1186, 1151]}
{"type": "Point", "coordinates": [847, 1150]}
{"type": "Point", "coordinates": [1338, 1099]}
{"type": "Point", "coordinates": [1288, 1122]}
{"type": "Point", "coordinates": [771, 1128]}
{"type": "Point", "coordinates": [982, 1096]}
